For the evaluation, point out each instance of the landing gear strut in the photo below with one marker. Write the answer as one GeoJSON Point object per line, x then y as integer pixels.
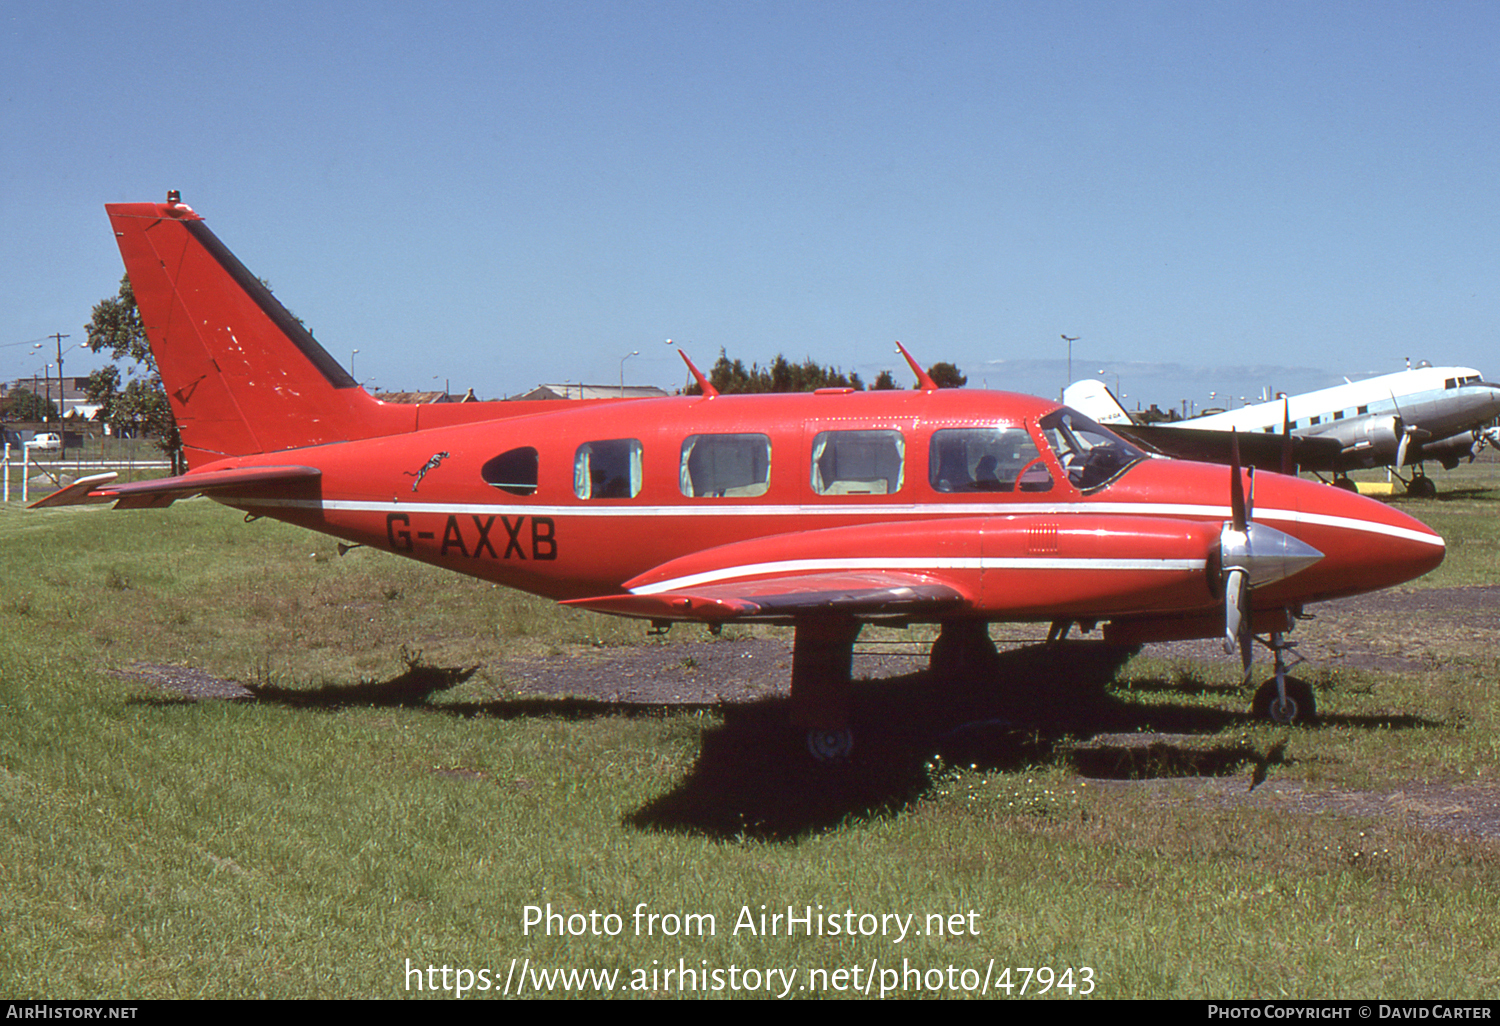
{"type": "Point", "coordinates": [822, 663]}
{"type": "Point", "coordinates": [1420, 486]}
{"type": "Point", "coordinates": [963, 649]}
{"type": "Point", "coordinates": [1283, 699]}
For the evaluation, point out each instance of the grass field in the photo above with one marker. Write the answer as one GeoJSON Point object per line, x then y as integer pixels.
{"type": "Point", "coordinates": [339, 836]}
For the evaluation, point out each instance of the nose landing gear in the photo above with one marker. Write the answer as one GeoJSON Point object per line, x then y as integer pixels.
{"type": "Point", "coordinates": [1284, 699]}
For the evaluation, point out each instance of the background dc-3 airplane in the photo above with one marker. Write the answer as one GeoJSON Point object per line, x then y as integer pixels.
{"type": "Point", "coordinates": [821, 511]}
{"type": "Point", "coordinates": [1401, 419]}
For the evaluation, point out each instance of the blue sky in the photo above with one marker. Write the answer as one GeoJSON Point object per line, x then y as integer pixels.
{"type": "Point", "coordinates": [1212, 196]}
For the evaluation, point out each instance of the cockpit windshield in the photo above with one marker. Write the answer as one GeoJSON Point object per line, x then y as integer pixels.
{"type": "Point", "coordinates": [1091, 455]}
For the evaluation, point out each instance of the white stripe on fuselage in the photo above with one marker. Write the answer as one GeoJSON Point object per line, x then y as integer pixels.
{"type": "Point", "coordinates": [913, 563]}
{"type": "Point", "coordinates": [882, 510]}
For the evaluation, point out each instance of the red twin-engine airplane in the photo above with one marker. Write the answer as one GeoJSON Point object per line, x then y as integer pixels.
{"type": "Point", "coordinates": [822, 511]}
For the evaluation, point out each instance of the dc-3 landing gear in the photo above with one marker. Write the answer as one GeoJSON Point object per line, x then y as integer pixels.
{"type": "Point", "coordinates": [1421, 486]}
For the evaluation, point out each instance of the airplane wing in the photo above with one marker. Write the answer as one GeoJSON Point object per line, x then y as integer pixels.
{"type": "Point", "coordinates": [1257, 449]}
{"type": "Point", "coordinates": [779, 598]}
{"type": "Point", "coordinates": [166, 490]}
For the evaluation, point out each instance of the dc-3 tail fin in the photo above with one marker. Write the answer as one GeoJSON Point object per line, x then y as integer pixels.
{"type": "Point", "coordinates": [243, 376]}
{"type": "Point", "coordinates": [1094, 400]}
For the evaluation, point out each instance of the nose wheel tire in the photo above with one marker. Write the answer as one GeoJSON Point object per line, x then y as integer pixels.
{"type": "Point", "coordinates": [1297, 708]}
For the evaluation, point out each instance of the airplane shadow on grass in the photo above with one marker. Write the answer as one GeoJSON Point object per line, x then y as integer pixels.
{"type": "Point", "coordinates": [754, 776]}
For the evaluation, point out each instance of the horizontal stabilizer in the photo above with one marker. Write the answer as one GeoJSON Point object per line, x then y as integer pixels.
{"type": "Point", "coordinates": [164, 491]}
{"type": "Point", "coordinates": [786, 597]}
{"type": "Point", "coordinates": [79, 493]}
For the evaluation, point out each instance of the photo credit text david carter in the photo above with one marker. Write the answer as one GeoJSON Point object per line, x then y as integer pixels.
{"type": "Point", "coordinates": [877, 975]}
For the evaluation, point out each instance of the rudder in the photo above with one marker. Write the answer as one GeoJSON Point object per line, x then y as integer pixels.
{"type": "Point", "coordinates": [241, 374]}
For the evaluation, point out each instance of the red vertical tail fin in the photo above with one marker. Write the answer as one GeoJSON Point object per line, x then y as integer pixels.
{"type": "Point", "coordinates": [242, 374]}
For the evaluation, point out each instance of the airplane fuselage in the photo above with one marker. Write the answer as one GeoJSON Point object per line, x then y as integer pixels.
{"type": "Point", "coordinates": [1369, 416]}
{"type": "Point", "coordinates": [583, 501]}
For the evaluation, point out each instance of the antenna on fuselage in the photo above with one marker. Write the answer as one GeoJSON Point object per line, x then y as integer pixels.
{"type": "Point", "coordinates": [709, 391]}
{"type": "Point", "coordinates": [924, 380]}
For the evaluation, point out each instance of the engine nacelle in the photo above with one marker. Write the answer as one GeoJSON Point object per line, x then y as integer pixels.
{"type": "Point", "coordinates": [1371, 440]}
{"type": "Point", "coordinates": [1448, 451]}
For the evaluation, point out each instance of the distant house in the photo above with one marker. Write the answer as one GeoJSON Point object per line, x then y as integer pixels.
{"type": "Point", "coordinates": [423, 398]}
{"type": "Point", "coordinates": [571, 391]}
{"type": "Point", "coordinates": [75, 396]}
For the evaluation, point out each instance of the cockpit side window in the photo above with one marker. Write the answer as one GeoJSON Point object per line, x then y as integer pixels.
{"type": "Point", "coordinates": [998, 459]}
{"type": "Point", "coordinates": [1091, 455]}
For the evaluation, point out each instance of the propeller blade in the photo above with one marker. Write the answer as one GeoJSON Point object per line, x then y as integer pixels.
{"type": "Point", "coordinates": [1236, 486]}
{"type": "Point", "coordinates": [1401, 448]}
{"type": "Point", "coordinates": [1234, 593]}
{"type": "Point", "coordinates": [1239, 633]}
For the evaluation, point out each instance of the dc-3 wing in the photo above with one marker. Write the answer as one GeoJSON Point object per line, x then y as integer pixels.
{"type": "Point", "coordinates": [1262, 451]}
{"type": "Point", "coordinates": [166, 490]}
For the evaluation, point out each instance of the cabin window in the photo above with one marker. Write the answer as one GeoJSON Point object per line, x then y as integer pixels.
{"type": "Point", "coordinates": [1338, 415]}
{"type": "Point", "coordinates": [1362, 410]}
{"type": "Point", "coordinates": [608, 470]}
{"type": "Point", "coordinates": [725, 466]}
{"type": "Point", "coordinates": [857, 462]}
{"type": "Point", "coordinates": [1317, 420]}
{"type": "Point", "coordinates": [513, 471]}
{"type": "Point", "coordinates": [986, 460]}
{"type": "Point", "coordinates": [1451, 383]}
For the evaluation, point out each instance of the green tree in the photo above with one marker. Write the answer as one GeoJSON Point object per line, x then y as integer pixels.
{"type": "Point", "coordinates": [24, 404]}
{"type": "Point", "coordinates": [885, 381]}
{"type": "Point", "coordinates": [141, 406]}
{"type": "Point", "coordinates": [731, 377]}
{"type": "Point", "coordinates": [946, 375]}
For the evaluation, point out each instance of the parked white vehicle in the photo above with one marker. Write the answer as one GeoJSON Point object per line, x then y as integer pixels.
{"type": "Point", "coordinates": [47, 440]}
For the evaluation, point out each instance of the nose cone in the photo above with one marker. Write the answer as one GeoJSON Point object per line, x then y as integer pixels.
{"type": "Point", "coordinates": [1366, 544]}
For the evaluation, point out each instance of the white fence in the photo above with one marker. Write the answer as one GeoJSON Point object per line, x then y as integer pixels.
{"type": "Point", "coordinates": [19, 457]}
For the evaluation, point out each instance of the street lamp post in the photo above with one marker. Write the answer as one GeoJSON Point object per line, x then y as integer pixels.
{"type": "Point", "coordinates": [1070, 342]}
{"type": "Point", "coordinates": [627, 356]}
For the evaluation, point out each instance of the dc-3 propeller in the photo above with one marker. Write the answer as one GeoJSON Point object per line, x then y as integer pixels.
{"type": "Point", "coordinates": [1251, 556]}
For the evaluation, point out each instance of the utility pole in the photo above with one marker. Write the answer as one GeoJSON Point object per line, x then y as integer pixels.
{"type": "Point", "coordinates": [62, 446]}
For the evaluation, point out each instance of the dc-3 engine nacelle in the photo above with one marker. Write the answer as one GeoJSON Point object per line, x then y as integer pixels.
{"type": "Point", "coordinates": [1448, 451]}
{"type": "Point", "coordinates": [1374, 439]}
